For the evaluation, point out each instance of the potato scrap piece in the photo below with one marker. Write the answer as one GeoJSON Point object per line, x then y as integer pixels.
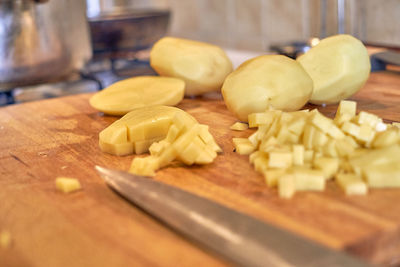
{"type": "Point", "coordinates": [239, 126]}
{"type": "Point", "coordinates": [287, 186]}
{"type": "Point", "coordinates": [351, 184]}
{"type": "Point", "coordinates": [243, 146]}
{"type": "Point", "coordinates": [67, 185]}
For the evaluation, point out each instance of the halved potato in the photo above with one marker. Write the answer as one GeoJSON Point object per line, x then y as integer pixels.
{"type": "Point", "coordinates": [264, 81]}
{"type": "Point", "coordinates": [339, 66]}
{"type": "Point", "coordinates": [202, 66]}
{"type": "Point", "coordinates": [126, 95]}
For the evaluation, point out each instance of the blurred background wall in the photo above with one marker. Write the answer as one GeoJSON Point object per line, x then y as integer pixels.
{"type": "Point", "coordinates": [257, 24]}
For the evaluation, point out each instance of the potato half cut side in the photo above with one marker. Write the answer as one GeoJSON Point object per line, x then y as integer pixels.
{"type": "Point", "coordinates": [126, 95]}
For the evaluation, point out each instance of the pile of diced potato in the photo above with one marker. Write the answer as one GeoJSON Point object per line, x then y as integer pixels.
{"type": "Point", "coordinates": [187, 142]}
{"type": "Point", "coordinates": [301, 150]}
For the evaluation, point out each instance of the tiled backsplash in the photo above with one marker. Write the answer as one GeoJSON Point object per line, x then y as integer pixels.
{"type": "Point", "coordinates": [256, 24]}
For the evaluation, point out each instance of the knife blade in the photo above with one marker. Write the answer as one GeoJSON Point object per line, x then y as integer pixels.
{"type": "Point", "coordinates": [239, 238]}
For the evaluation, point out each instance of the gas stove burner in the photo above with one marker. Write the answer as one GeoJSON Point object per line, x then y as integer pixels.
{"type": "Point", "coordinates": [77, 83]}
{"type": "Point", "coordinates": [129, 68]}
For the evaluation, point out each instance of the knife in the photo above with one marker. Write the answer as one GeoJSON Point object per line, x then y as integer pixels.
{"type": "Point", "coordinates": [239, 238]}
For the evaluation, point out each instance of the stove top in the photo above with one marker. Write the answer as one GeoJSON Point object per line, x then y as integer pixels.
{"type": "Point", "coordinates": [97, 75]}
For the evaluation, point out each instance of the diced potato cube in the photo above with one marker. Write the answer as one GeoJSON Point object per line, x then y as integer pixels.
{"type": "Point", "coordinates": [326, 125]}
{"type": "Point", "coordinates": [347, 107]}
{"type": "Point", "coordinates": [172, 134]}
{"type": "Point", "coordinates": [254, 155]}
{"type": "Point", "coordinates": [342, 118]}
{"type": "Point", "coordinates": [396, 124]}
{"type": "Point", "coordinates": [344, 148]}
{"type": "Point", "coordinates": [350, 140]}
{"type": "Point", "coordinates": [167, 156]}
{"type": "Point", "coordinates": [192, 151]}
{"type": "Point", "coordinates": [117, 149]}
{"type": "Point", "coordinates": [67, 185]}
{"type": "Point", "coordinates": [367, 118]}
{"type": "Point", "coordinates": [321, 122]}
{"type": "Point", "coordinates": [261, 163]}
{"type": "Point", "coordinates": [308, 156]}
{"type": "Point", "coordinates": [382, 175]}
{"type": "Point", "coordinates": [319, 140]}
{"type": "Point", "coordinates": [297, 126]}
{"type": "Point", "coordinates": [351, 129]}
{"type": "Point", "coordinates": [286, 186]}
{"type": "Point", "coordinates": [273, 130]}
{"type": "Point", "coordinates": [335, 132]}
{"type": "Point", "coordinates": [268, 144]}
{"type": "Point", "coordinates": [329, 166]}
{"type": "Point", "coordinates": [272, 176]}
{"type": "Point", "coordinates": [384, 139]}
{"type": "Point", "coordinates": [239, 126]}
{"type": "Point", "coordinates": [253, 138]}
{"type": "Point", "coordinates": [330, 148]}
{"type": "Point", "coordinates": [145, 166]}
{"type": "Point", "coordinates": [243, 146]}
{"type": "Point", "coordinates": [286, 117]}
{"type": "Point", "coordinates": [185, 138]}
{"type": "Point", "coordinates": [283, 134]}
{"type": "Point", "coordinates": [208, 139]}
{"type": "Point", "coordinates": [375, 157]}
{"type": "Point", "coordinates": [144, 145]}
{"type": "Point", "coordinates": [257, 119]}
{"type": "Point", "coordinates": [204, 134]}
{"type": "Point", "coordinates": [206, 157]}
{"type": "Point", "coordinates": [293, 138]}
{"type": "Point", "coordinates": [307, 179]}
{"type": "Point", "coordinates": [5, 239]}
{"type": "Point", "coordinates": [351, 184]}
{"type": "Point", "coordinates": [358, 152]}
{"type": "Point", "coordinates": [280, 159]}
{"type": "Point", "coordinates": [158, 147]}
{"type": "Point", "coordinates": [381, 126]}
{"type": "Point", "coordinates": [308, 136]}
{"type": "Point", "coordinates": [298, 155]}
{"type": "Point", "coordinates": [344, 165]}
{"type": "Point", "coordinates": [367, 133]}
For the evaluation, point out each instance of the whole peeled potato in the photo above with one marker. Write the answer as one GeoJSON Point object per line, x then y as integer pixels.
{"type": "Point", "coordinates": [266, 81]}
{"type": "Point", "coordinates": [339, 66]}
{"type": "Point", "coordinates": [202, 66]}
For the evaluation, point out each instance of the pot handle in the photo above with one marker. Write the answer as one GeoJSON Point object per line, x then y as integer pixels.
{"type": "Point", "coordinates": [40, 1]}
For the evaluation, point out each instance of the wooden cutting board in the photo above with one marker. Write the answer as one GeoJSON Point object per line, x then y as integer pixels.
{"type": "Point", "coordinates": [95, 227]}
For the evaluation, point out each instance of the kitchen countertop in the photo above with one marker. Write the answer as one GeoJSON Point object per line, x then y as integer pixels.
{"type": "Point", "coordinates": [95, 227]}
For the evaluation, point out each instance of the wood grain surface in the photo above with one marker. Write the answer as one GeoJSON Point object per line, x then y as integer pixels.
{"type": "Point", "coordinates": [95, 227]}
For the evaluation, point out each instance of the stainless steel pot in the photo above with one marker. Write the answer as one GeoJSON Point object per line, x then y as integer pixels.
{"type": "Point", "coordinates": [131, 30]}
{"type": "Point", "coordinates": [119, 27]}
{"type": "Point", "coordinates": [41, 42]}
